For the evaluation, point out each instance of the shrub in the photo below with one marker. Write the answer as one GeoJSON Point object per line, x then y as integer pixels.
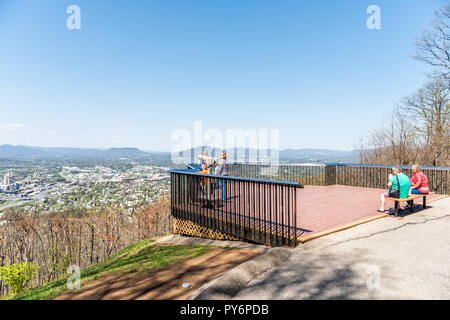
{"type": "Point", "coordinates": [18, 275]}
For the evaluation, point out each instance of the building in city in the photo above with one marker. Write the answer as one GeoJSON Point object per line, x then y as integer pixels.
{"type": "Point", "coordinates": [8, 184]}
{"type": "Point", "coordinates": [7, 180]}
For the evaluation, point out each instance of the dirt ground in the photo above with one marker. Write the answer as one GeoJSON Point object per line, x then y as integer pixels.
{"type": "Point", "coordinates": [164, 283]}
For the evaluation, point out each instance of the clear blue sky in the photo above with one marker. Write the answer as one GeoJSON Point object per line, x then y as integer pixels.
{"type": "Point", "coordinates": [138, 70]}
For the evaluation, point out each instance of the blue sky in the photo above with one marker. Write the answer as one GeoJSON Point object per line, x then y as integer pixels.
{"type": "Point", "coordinates": [138, 70]}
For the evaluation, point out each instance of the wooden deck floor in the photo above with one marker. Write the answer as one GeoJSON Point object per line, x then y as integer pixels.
{"type": "Point", "coordinates": [323, 210]}
{"type": "Point", "coordinates": [319, 210]}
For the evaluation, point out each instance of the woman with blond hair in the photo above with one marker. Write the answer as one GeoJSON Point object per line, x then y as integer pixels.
{"type": "Point", "coordinates": [419, 181]}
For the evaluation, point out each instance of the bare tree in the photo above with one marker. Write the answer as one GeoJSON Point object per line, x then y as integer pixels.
{"type": "Point", "coordinates": [54, 241]}
{"type": "Point", "coordinates": [433, 47]}
{"type": "Point", "coordinates": [419, 128]}
{"type": "Point", "coordinates": [393, 143]}
{"type": "Point", "coordinates": [418, 131]}
{"type": "Point", "coordinates": [428, 111]}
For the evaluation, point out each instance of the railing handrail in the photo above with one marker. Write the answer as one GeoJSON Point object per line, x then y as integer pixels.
{"type": "Point", "coordinates": [191, 172]}
{"type": "Point", "coordinates": [354, 174]}
{"type": "Point", "coordinates": [384, 166]}
{"type": "Point", "coordinates": [330, 164]}
{"type": "Point", "coordinates": [272, 164]}
{"type": "Point", "coordinates": [283, 164]}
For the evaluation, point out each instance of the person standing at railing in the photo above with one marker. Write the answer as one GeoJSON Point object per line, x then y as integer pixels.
{"type": "Point", "coordinates": [201, 161]}
{"type": "Point", "coordinates": [398, 186]}
{"type": "Point", "coordinates": [223, 170]}
{"type": "Point", "coordinates": [419, 181]}
{"type": "Point", "coordinates": [204, 171]}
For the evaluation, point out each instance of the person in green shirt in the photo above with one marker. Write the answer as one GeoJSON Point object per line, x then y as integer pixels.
{"type": "Point", "coordinates": [393, 184]}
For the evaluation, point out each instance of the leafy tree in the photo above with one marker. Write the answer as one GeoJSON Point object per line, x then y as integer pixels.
{"type": "Point", "coordinates": [18, 275]}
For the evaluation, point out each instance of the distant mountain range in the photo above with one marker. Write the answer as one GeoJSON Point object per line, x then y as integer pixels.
{"type": "Point", "coordinates": [285, 156]}
{"type": "Point", "coordinates": [243, 154]}
{"type": "Point", "coordinates": [321, 155]}
{"type": "Point", "coordinates": [26, 152]}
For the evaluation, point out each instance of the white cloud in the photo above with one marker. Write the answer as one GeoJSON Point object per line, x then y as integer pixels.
{"type": "Point", "coordinates": [12, 126]}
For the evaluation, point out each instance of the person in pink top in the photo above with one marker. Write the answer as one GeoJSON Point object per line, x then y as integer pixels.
{"type": "Point", "coordinates": [419, 181]}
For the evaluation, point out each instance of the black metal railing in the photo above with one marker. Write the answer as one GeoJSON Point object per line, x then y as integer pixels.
{"type": "Point", "coordinates": [259, 202]}
{"type": "Point", "coordinates": [262, 211]}
{"type": "Point", "coordinates": [360, 175]}
{"type": "Point", "coordinates": [376, 176]}
{"type": "Point", "coordinates": [304, 174]}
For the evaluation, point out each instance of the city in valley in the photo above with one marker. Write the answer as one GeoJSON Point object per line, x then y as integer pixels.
{"type": "Point", "coordinates": [42, 180]}
{"type": "Point", "coordinates": [56, 185]}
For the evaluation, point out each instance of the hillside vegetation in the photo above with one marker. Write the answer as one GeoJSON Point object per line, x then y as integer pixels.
{"type": "Point", "coordinates": [143, 256]}
{"type": "Point", "coordinates": [56, 241]}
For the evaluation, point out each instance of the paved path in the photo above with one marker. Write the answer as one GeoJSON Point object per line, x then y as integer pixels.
{"type": "Point", "coordinates": [390, 258]}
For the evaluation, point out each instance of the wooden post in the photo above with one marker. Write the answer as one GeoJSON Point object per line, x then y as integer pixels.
{"type": "Point", "coordinates": [330, 175]}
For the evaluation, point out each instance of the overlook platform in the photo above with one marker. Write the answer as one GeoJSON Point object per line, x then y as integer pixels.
{"type": "Point", "coordinates": [325, 209]}
{"type": "Point", "coordinates": [299, 203]}
{"type": "Point", "coordinates": [320, 210]}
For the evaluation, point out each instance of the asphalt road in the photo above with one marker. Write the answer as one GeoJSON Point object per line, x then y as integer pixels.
{"type": "Point", "coordinates": [407, 258]}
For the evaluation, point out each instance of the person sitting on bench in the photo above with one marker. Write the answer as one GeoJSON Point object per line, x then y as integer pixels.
{"type": "Point", "coordinates": [397, 178]}
{"type": "Point", "coordinates": [419, 181]}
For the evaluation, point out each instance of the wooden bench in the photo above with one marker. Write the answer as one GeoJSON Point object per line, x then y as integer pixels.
{"type": "Point", "coordinates": [410, 201]}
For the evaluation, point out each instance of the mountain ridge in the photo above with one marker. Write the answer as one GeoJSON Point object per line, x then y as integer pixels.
{"type": "Point", "coordinates": [25, 152]}
{"type": "Point", "coordinates": [285, 155]}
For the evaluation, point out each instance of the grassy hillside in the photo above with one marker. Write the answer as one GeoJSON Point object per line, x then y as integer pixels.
{"type": "Point", "coordinates": [143, 256]}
